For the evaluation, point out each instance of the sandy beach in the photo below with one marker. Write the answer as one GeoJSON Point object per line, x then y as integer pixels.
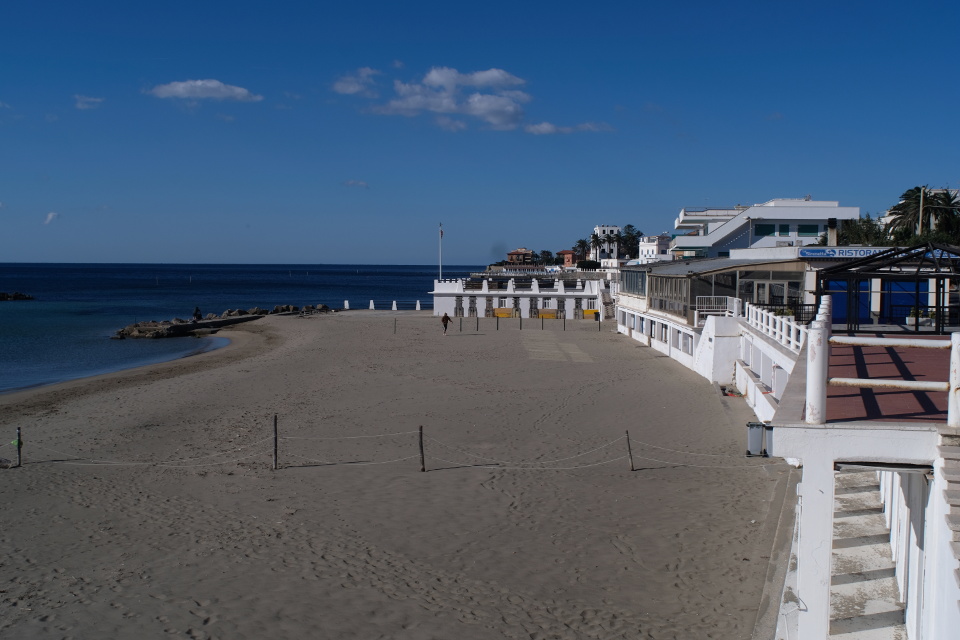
{"type": "Point", "coordinates": [148, 507]}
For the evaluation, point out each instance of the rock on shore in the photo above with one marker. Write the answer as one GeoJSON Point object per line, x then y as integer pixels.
{"type": "Point", "coordinates": [16, 295]}
{"type": "Point", "coordinates": [178, 327]}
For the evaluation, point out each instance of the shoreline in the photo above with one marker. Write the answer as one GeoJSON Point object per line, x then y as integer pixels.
{"type": "Point", "coordinates": [241, 343]}
{"type": "Point", "coordinates": [147, 503]}
{"type": "Point", "coordinates": [109, 370]}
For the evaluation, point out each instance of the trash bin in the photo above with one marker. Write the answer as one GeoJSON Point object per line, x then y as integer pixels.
{"type": "Point", "coordinates": [755, 438]}
{"type": "Point", "coordinates": [768, 441]}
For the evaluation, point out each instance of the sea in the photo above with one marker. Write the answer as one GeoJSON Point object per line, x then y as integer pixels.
{"type": "Point", "coordinates": [64, 333]}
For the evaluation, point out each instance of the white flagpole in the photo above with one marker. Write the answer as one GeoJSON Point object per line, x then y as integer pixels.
{"type": "Point", "coordinates": [441, 251]}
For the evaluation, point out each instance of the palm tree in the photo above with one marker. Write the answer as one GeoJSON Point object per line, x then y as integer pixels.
{"type": "Point", "coordinates": [917, 206]}
{"type": "Point", "coordinates": [945, 211]}
{"type": "Point", "coordinates": [610, 241]}
{"type": "Point", "coordinates": [596, 242]}
{"type": "Point", "coordinates": [581, 247]}
{"type": "Point", "coordinates": [619, 240]}
{"type": "Point", "coordinates": [907, 213]}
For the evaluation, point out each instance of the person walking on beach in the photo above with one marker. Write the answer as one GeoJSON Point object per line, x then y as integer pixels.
{"type": "Point", "coordinates": [445, 320]}
{"type": "Point", "coordinates": [196, 314]}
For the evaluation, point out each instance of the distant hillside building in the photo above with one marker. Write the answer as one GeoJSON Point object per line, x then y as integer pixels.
{"type": "Point", "coordinates": [520, 256]}
{"type": "Point", "coordinates": [654, 249]}
{"type": "Point", "coordinates": [569, 257]}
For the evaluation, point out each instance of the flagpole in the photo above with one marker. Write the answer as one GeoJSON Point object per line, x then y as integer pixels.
{"type": "Point", "coordinates": [441, 251]}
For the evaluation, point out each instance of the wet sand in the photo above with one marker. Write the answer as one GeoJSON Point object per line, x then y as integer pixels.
{"type": "Point", "coordinates": [511, 533]}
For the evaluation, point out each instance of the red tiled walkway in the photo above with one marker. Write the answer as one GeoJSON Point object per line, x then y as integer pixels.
{"type": "Point", "coordinates": [845, 404]}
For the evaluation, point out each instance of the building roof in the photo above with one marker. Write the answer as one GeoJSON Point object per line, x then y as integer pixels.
{"type": "Point", "coordinates": [702, 265]}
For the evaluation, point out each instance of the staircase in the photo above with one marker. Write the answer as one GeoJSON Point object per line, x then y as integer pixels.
{"type": "Point", "coordinates": [864, 602]}
{"type": "Point", "coordinates": [609, 309]}
{"type": "Point", "coordinates": [950, 450]}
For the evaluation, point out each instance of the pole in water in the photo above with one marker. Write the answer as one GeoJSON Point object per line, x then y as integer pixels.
{"type": "Point", "coordinates": [19, 448]}
{"type": "Point", "coordinates": [275, 442]}
{"type": "Point", "coordinates": [423, 466]}
{"type": "Point", "coordinates": [630, 452]}
{"type": "Point", "coordinates": [394, 326]}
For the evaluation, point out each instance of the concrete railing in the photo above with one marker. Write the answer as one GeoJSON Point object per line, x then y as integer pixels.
{"type": "Point", "coordinates": [818, 366]}
{"type": "Point", "coordinates": [783, 329]}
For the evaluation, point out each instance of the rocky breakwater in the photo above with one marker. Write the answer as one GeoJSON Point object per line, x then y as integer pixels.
{"type": "Point", "coordinates": [209, 324]}
{"type": "Point", "coordinates": [16, 295]}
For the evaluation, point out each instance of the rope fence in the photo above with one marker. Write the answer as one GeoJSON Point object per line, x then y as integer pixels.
{"type": "Point", "coordinates": [256, 448]}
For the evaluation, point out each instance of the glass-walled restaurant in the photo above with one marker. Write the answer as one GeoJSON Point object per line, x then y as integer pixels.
{"type": "Point", "coordinates": [673, 288]}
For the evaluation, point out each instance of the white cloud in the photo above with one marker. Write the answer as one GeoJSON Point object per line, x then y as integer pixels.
{"type": "Point", "coordinates": [492, 96]}
{"type": "Point", "coordinates": [225, 117]}
{"type": "Point", "coordinates": [548, 128]}
{"type": "Point", "coordinates": [494, 100]}
{"type": "Point", "coordinates": [53, 215]}
{"type": "Point", "coordinates": [356, 183]}
{"type": "Point", "coordinates": [360, 83]}
{"type": "Point", "coordinates": [86, 102]}
{"type": "Point", "coordinates": [203, 89]}
{"type": "Point", "coordinates": [4, 105]}
{"type": "Point", "coordinates": [397, 64]}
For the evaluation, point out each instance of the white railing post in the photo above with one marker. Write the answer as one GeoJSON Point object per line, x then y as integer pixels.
{"type": "Point", "coordinates": [818, 365]}
{"type": "Point", "coordinates": [818, 355]}
{"type": "Point", "coordinates": [953, 401]}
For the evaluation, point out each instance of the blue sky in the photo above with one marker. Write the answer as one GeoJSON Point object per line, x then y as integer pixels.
{"type": "Point", "coordinates": [308, 132]}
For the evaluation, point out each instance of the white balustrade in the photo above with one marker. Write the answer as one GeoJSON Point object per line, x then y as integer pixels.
{"type": "Point", "coordinates": [783, 329]}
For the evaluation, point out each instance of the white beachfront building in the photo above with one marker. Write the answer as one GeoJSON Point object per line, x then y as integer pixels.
{"type": "Point", "coordinates": [523, 294]}
{"type": "Point", "coordinates": [782, 222]}
{"type": "Point", "coordinates": [895, 576]}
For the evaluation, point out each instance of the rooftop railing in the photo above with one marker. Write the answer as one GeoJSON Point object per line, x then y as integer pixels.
{"type": "Point", "coordinates": [715, 306]}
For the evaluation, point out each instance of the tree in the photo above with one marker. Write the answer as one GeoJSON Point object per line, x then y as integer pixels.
{"type": "Point", "coordinates": [945, 212]}
{"type": "Point", "coordinates": [619, 241]}
{"type": "Point", "coordinates": [595, 243]}
{"type": "Point", "coordinates": [907, 212]}
{"type": "Point", "coordinates": [546, 257]}
{"type": "Point", "coordinates": [863, 231]}
{"type": "Point", "coordinates": [631, 240]}
{"type": "Point", "coordinates": [581, 247]}
{"type": "Point", "coordinates": [925, 213]}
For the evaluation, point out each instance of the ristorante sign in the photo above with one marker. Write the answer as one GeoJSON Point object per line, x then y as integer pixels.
{"type": "Point", "coordinates": [840, 252]}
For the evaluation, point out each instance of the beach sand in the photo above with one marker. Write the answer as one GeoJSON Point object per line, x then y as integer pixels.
{"type": "Point", "coordinates": [335, 545]}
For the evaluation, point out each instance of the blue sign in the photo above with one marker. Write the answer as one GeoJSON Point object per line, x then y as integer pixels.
{"type": "Point", "coordinates": [840, 252]}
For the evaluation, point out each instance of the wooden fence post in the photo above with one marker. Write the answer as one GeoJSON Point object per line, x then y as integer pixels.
{"type": "Point", "coordinates": [19, 448]}
{"type": "Point", "coordinates": [275, 442]}
{"type": "Point", "coordinates": [423, 466]}
{"type": "Point", "coordinates": [630, 452]}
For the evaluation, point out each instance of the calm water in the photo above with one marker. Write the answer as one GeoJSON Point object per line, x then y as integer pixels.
{"type": "Point", "coordinates": [64, 333]}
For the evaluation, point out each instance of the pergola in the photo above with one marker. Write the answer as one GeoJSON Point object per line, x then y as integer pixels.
{"type": "Point", "coordinates": [904, 274]}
